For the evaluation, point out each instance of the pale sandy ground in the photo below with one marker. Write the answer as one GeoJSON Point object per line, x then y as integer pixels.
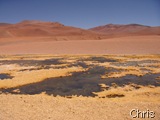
{"type": "Point", "coordinates": [123, 45]}
{"type": "Point", "coordinates": [41, 107]}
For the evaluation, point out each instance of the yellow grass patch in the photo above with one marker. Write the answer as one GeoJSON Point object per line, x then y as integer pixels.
{"type": "Point", "coordinates": [27, 77]}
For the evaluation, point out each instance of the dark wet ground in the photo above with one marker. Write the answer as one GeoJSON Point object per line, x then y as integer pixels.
{"type": "Point", "coordinates": [80, 83]}
{"type": "Point", "coordinates": [5, 76]}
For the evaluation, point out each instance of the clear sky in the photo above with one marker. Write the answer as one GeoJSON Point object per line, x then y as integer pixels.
{"type": "Point", "coordinates": [82, 13]}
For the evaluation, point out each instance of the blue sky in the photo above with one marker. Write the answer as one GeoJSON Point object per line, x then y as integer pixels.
{"type": "Point", "coordinates": [82, 13]}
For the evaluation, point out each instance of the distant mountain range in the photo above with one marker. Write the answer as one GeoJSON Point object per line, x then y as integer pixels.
{"type": "Point", "coordinates": [115, 30]}
{"type": "Point", "coordinates": [56, 30]}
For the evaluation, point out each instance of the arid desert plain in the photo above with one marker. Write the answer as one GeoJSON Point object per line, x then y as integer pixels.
{"type": "Point", "coordinates": [49, 71]}
{"type": "Point", "coordinates": [80, 87]}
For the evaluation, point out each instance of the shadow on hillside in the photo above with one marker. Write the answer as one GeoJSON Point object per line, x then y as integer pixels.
{"type": "Point", "coordinates": [81, 83]}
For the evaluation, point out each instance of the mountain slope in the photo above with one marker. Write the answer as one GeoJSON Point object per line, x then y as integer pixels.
{"type": "Point", "coordinates": [34, 28]}
{"type": "Point", "coordinates": [126, 30]}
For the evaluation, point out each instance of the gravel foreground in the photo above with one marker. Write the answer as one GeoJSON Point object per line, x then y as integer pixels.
{"type": "Point", "coordinates": [43, 107]}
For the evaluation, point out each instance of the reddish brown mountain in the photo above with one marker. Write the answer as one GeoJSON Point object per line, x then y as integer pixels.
{"type": "Point", "coordinates": [114, 30]}
{"type": "Point", "coordinates": [32, 28]}
{"type": "Point", "coordinates": [4, 24]}
{"type": "Point", "coordinates": [37, 37]}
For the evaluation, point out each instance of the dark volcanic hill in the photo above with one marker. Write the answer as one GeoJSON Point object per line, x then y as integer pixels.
{"type": "Point", "coordinates": [115, 30]}
{"type": "Point", "coordinates": [32, 28]}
